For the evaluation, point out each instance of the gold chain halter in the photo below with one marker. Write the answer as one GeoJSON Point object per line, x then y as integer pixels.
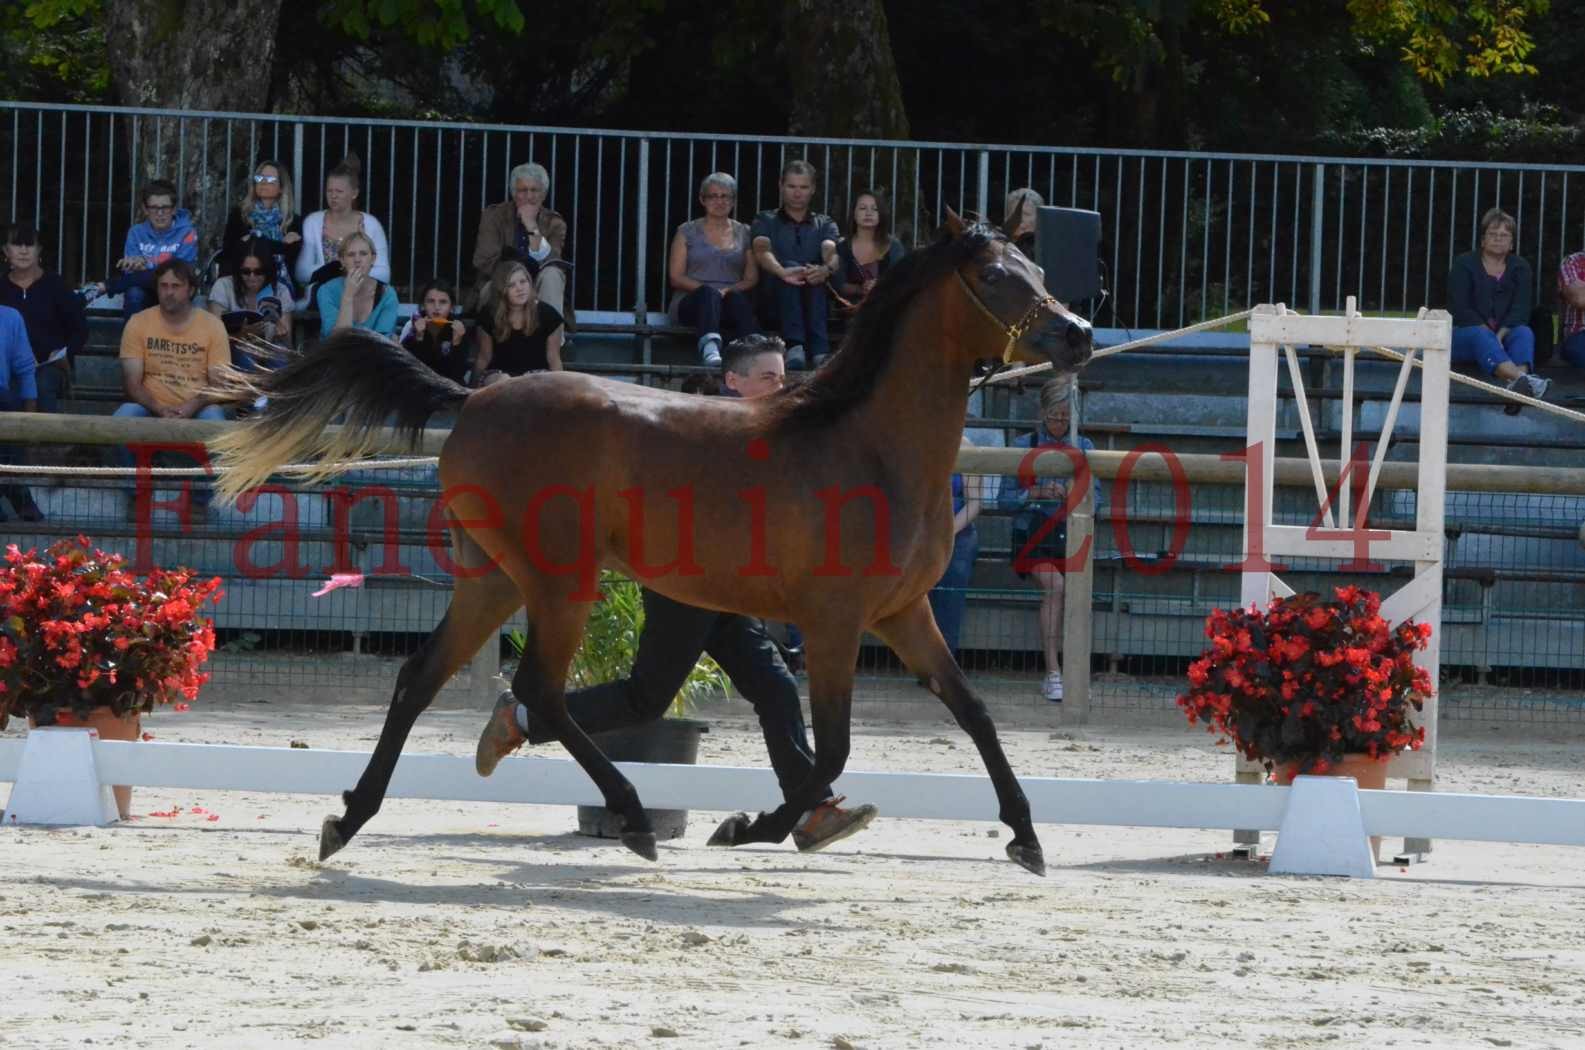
{"type": "Point", "coordinates": [1014, 332]}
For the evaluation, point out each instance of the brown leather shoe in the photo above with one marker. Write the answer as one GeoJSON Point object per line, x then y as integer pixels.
{"type": "Point", "coordinates": [500, 737]}
{"type": "Point", "coordinates": [829, 822]}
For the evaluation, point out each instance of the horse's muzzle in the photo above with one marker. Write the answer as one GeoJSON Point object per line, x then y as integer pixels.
{"type": "Point", "coordinates": [1068, 342]}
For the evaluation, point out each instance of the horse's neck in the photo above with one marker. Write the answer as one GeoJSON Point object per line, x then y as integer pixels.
{"type": "Point", "coordinates": [921, 399]}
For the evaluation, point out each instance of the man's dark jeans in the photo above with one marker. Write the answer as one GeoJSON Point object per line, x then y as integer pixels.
{"type": "Point", "coordinates": [673, 637]}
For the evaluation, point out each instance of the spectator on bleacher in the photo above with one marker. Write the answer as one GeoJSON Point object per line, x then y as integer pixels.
{"type": "Point", "coordinates": [18, 393]}
{"type": "Point", "coordinates": [359, 299]}
{"type": "Point", "coordinates": [519, 333]}
{"type": "Point", "coordinates": [319, 260]}
{"type": "Point", "coordinates": [1019, 216]}
{"type": "Point", "coordinates": [53, 314]}
{"type": "Point", "coordinates": [712, 270]}
{"type": "Point", "coordinates": [949, 598]}
{"type": "Point", "coordinates": [1488, 293]}
{"type": "Point", "coordinates": [522, 229]}
{"type": "Point", "coordinates": [1035, 504]}
{"type": "Point", "coordinates": [170, 353]}
{"type": "Point", "coordinates": [869, 249]}
{"type": "Point", "coordinates": [266, 214]}
{"type": "Point", "coordinates": [796, 249]}
{"type": "Point", "coordinates": [434, 336]}
{"type": "Point", "coordinates": [254, 298]}
{"type": "Point", "coordinates": [1571, 289]}
{"type": "Point", "coordinates": [166, 232]}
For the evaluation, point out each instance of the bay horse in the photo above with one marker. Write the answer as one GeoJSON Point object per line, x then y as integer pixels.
{"type": "Point", "coordinates": [827, 505]}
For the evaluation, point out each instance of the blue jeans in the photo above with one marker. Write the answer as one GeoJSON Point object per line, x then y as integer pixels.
{"type": "Point", "coordinates": [19, 495]}
{"type": "Point", "coordinates": [803, 316]}
{"type": "Point", "coordinates": [124, 456]}
{"type": "Point", "coordinates": [53, 381]}
{"type": "Point", "coordinates": [730, 316]}
{"type": "Point", "coordinates": [1478, 345]}
{"type": "Point", "coordinates": [950, 597]}
{"type": "Point", "coordinates": [1573, 349]}
{"type": "Point", "coordinates": [136, 290]}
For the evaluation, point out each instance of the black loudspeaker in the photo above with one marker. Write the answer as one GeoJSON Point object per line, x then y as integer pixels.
{"type": "Point", "coordinates": [1068, 248]}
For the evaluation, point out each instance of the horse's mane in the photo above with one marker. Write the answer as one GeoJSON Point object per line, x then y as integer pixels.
{"type": "Point", "coordinates": [848, 379]}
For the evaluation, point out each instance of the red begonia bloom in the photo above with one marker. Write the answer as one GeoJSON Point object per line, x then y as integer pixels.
{"type": "Point", "coordinates": [1353, 675]}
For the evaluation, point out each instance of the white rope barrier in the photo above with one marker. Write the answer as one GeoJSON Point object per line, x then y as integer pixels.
{"type": "Point", "coordinates": [1490, 388]}
{"type": "Point", "coordinates": [1133, 344]}
{"type": "Point", "coordinates": [1222, 322]}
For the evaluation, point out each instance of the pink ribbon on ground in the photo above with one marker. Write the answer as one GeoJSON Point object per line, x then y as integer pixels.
{"type": "Point", "coordinates": [339, 580]}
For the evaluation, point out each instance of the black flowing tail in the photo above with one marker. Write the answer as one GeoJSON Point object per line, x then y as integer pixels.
{"type": "Point", "coordinates": [364, 378]}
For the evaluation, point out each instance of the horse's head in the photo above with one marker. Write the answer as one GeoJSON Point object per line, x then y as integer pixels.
{"type": "Point", "coordinates": [1008, 287]}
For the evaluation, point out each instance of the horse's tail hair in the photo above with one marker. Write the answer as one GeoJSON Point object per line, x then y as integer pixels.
{"type": "Point", "coordinates": [363, 377]}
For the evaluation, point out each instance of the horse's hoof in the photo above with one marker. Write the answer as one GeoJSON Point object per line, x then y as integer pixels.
{"type": "Point", "coordinates": [642, 843]}
{"type": "Point", "coordinates": [1030, 857]}
{"type": "Point", "coordinates": [732, 832]}
{"type": "Point", "coordinates": [330, 840]}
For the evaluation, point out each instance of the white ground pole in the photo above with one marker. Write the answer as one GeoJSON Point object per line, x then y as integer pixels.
{"type": "Point", "coordinates": [1321, 836]}
{"type": "Point", "coordinates": [1431, 336]}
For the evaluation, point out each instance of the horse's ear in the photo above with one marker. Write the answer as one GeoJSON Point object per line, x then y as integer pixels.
{"type": "Point", "coordinates": [954, 223]}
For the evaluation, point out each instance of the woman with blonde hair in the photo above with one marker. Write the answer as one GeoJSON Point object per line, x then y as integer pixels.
{"type": "Point", "coordinates": [358, 299]}
{"type": "Point", "coordinates": [520, 333]}
{"type": "Point", "coordinates": [266, 218]}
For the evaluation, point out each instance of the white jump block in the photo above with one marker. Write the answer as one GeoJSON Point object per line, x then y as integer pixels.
{"type": "Point", "coordinates": [58, 783]}
{"type": "Point", "coordinates": [1323, 831]}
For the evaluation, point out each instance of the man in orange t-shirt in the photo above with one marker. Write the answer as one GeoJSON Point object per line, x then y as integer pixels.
{"type": "Point", "coordinates": [169, 354]}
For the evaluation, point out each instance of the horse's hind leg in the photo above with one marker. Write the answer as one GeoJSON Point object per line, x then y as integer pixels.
{"type": "Point", "coordinates": [555, 627]}
{"type": "Point", "coordinates": [478, 608]}
{"type": "Point", "coordinates": [832, 650]}
{"type": "Point", "coordinates": [913, 636]}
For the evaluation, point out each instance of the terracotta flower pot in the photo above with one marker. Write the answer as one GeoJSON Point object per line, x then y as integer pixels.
{"type": "Point", "coordinates": [1369, 773]}
{"type": "Point", "coordinates": [110, 726]}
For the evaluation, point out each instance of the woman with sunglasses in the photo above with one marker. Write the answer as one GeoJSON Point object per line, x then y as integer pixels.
{"type": "Point", "coordinates": [266, 215]}
{"type": "Point", "coordinates": [254, 287]}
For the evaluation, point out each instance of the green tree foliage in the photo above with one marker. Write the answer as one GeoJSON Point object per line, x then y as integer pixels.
{"type": "Point", "coordinates": [1296, 76]}
{"type": "Point", "coordinates": [55, 49]}
{"type": "Point", "coordinates": [1441, 38]}
{"type": "Point", "coordinates": [442, 24]}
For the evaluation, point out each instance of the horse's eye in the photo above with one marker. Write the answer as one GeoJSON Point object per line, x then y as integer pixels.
{"type": "Point", "coordinates": [993, 273]}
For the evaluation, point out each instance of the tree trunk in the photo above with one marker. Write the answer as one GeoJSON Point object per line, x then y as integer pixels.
{"type": "Point", "coordinates": [188, 54]}
{"type": "Point", "coordinates": [843, 79]}
{"type": "Point", "coordinates": [842, 71]}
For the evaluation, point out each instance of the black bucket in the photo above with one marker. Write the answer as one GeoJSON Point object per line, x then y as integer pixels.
{"type": "Point", "coordinates": [674, 741]}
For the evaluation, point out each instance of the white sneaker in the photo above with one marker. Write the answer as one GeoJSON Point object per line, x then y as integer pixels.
{"type": "Point", "coordinates": [710, 350]}
{"type": "Point", "coordinates": [1052, 688]}
{"type": "Point", "coordinates": [1538, 386]}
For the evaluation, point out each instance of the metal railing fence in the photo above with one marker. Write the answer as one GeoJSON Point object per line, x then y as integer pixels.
{"type": "Point", "coordinates": [1186, 235]}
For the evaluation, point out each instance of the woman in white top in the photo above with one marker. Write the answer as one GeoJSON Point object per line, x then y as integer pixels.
{"type": "Point", "coordinates": [254, 287]}
{"type": "Point", "coordinates": [323, 231]}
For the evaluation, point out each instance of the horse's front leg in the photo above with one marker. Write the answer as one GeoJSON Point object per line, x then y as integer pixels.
{"type": "Point", "coordinates": [914, 637]}
{"type": "Point", "coordinates": [478, 608]}
{"type": "Point", "coordinates": [832, 653]}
